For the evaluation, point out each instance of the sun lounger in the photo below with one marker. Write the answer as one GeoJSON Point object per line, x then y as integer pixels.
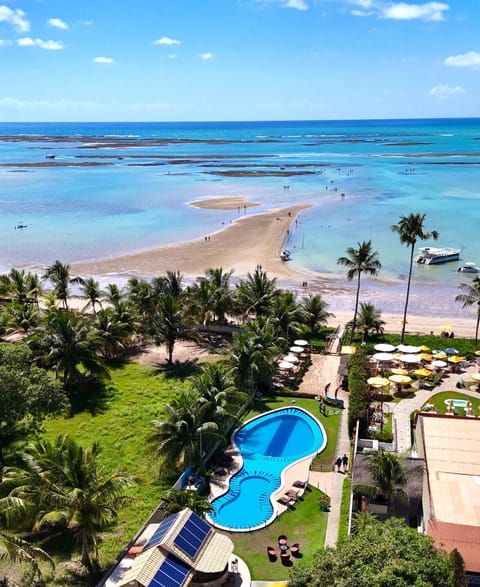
{"type": "Point", "coordinates": [285, 500]}
{"type": "Point", "coordinates": [300, 484]}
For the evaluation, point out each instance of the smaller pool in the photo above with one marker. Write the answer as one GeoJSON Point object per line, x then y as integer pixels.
{"type": "Point", "coordinates": [457, 403]}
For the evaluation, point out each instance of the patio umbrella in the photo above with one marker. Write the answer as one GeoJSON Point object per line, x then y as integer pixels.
{"type": "Point", "coordinates": [475, 376]}
{"type": "Point", "coordinates": [290, 359]}
{"type": "Point", "coordinates": [383, 357]}
{"type": "Point", "coordinates": [451, 351]}
{"type": "Point", "coordinates": [348, 349]}
{"type": "Point", "coordinates": [384, 347]}
{"type": "Point", "coordinates": [439, 363]}
{"type": "Point", "coordinates": [426, 356]}
{"type": "Point", "coordinates": [446, 326]}
{"type": "Point", "coordinates": [455, 359]}
{"type": "Point", "coordinates": [424, 348]}
{"type": "Point", "coordinates": [402, 379]}
{"type": "Point", "coordinates": [286, 365]}
{"type": "Point", "coordinates": [300, 342]}
{"type": "Point", "coordinates": [410, 358]}
{"type": "Point", "coordinates": [477, 353]}
{"type": "Point", "coordinates": [377, 381]}
{"type": "Point", "coordinates": [296, 349]}
{"type": "Point", "coordinates": [399, 371]}
{"type": "Point", "coordinates": [422, 372]}
{"type": "Point", "coordinates": [408, 348]}
{"type": "Point", "coordinates": [439, 354]}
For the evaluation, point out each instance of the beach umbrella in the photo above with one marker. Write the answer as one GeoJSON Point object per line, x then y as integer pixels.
{"type": "Point", "coordinates": [456, 359]}
{"type": "Point", "coordinates": [446, 326]}
{"type": "Point", "coordinates": [477, 353]}
{"type": "Point", "coordinates": [383, 357]}
{"type": "Point", "coordinates": [439, 354]}
{"type": "Point", "coordinates": [439, 363]}
{"type": "Point", "coordinates": [422, 372]}
{"type": "Point", "coordinates": [410, 358]}
{"type": "Point", "coordinates": [401, 379]}
{"type": "Point", "coordinates": [296, 349]}
{"type": "Point", "coordinates": [377, 381]}
{"type": "Point", "coordinates": [286, 365]}
{"type": "Point", "coordinates": [290, 359]}
{"type": "Point", "coordinates": [348, 349]}
{"type": "Point", "coordinates": [300, 342]}
{"type": "Point", "coordinates": [408, 348]}
{"type": "Point", "coordinates": [424, 348]}
{"type": "Point", "coordinates": [451, 351]}
{"type": "Point", "coordinates": [475, 376]}
{"type": "Point", "coordinates": [384, 347]}
{"type": "Point", "coordinates": [399, 371]}
{"type": "Point", "coordinates": [426, 356]}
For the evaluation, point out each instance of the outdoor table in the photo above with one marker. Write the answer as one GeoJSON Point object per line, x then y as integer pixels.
{"type": "Point", "coordinates": [284, 547]}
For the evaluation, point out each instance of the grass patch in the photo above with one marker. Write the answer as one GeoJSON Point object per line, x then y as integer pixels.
{"type": "Point", "coordinates": [438, 400]}
{"type": "Point", "coordinates": [344, 511]}
{"type": "Point", "coordinates": [304, 524]}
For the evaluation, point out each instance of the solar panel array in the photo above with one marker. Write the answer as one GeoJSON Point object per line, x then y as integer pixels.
{"type": "Point", "coordinates": [161, 530]}
{"type": "Point", "coordinates": [171, 573]}
{"type": "Point", "coordinates": [192, 536]}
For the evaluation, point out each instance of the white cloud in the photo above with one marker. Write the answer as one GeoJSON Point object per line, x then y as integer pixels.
{"type": "Point", "coordinates": [172, 56]}
{"type": "Point", "coordinates": [444, 91]}
{"type": "Point", "coordinates": [206, 56]}
{"type": "Point", "coordinates": [470, 59]}
{"type": "Point", "coordinates": [5, 42]}
{"type": "Point", "coordinates": [15, 18]}
{"type": "Point", "coordinates": [297, 4]}
{"type": "Point", "coordinates": [103, 60]}
{"type": "Point", "coordinates": [49, 45]}
{"type": "Point", "coordinates": [404, 11]}
{"type": "Point", "coordinates": [166, 41]}
{"type": "Point", "coordinates": [57, 23]}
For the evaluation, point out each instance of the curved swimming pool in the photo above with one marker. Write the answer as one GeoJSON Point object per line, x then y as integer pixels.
{"type": "Point", "coordinates": [268, 444]}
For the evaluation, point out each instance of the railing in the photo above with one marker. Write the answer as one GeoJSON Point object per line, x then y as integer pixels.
{"type": "Point", "coordinates": [322, 467]}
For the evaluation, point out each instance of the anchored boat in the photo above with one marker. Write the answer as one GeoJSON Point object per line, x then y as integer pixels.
{"type": "Point", "coordinates": [435, 256]}
{"type": "Point", "coordinates": [469, 268]}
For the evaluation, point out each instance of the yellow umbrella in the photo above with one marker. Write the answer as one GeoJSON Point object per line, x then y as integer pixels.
{"type": "Point", "coordinates": [446, 326]}
{"type": "Point", "coordinates": [456, 359]}
{"type": "Point", "coordinates": [424, 348]}
{"type": "Point", "coordinates": [426, 356]}
{"type": "Point", "coordinates": [477, 353]}
{"type": "Point", "coordinates": [377, 381]}
{"type": "Point", "coordinates": [422, 372]}
{"type": "Point", "coordinates": [475, 376]}
{"type": "Point", "coordinates": [440, 355]}
{"type": "Point", "coordinates": [348, 350]}
{"type": "Point", "coordinates": [399, 371]}
{"type": "Point", "coordinates": [402, 379]}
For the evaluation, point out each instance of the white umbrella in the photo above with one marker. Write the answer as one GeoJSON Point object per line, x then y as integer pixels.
{"type": "Point", "coordinates": [383, 347]}
{"type": "Point", "coordinates": [296, 349]}
{"type": "Point", "coordinates": [290, 359]}
{"type": "Point", "coordinates": [286, 365]}
{"type": "Point", "coordinates": [383, 357]}
{"type": "Point", "coordinates": [410, 358]}
{"type": "Point", "coordinates": [300, 342]}
{"type": "Point", "coordinates": [439, 363]}
{"type": "Point", "coordinates": [408, 348]}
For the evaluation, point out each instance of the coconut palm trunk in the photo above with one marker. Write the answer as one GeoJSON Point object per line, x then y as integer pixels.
{"type": "Point", "coordinates": [407, 297]}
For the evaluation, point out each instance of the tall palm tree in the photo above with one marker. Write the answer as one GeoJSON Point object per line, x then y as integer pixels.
{"type": "Point", "coordinates": [363, 259]}
{"type": "Point", "coordinates": [174, 500]}
{"type": "Point", "coordinates": [170, 323]}
{"type": "Point", "coordinates": [60, 277]}
{"type": "Point", "coordinates": [286, 315]}
{"type": "Point", "coordinates": [369, 320]}
{"type": "Point", "coordinates": [113, 294]}
{"type": "Point", "coordinates": [113, 333]}
{"type": "Point", "coordinates": [255, 293]}
{"type": "Point", "coordinates": [17, 551]}
{"type": "Point", "coordinates": [222, 295]}
{"type": "Point", "coordinates": [92, 293]}
{"type": "Point", "coordinates": [63, 487]}
{"type": "Point", "coordinates": [470, 298]}
{"type": "Point", "coordinates": [410, 229]}
{"type": "Point", "coordinates": [200, 302]}
{"type": "Point", "coordinates": [314, 312]}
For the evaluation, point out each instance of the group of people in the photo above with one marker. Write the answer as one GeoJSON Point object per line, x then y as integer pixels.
{"type": "Point", "coordinates": [342, 462]}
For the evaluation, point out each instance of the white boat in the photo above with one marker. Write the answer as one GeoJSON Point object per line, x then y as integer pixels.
{"type": "Point", "coordinates": [285, 255]}
{"type": "Point", "coordinates": [435, 256]}
{"type": "Point", "coordinates": [469, 268]}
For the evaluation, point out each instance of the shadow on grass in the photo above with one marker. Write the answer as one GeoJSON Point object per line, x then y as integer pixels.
{"type": "Point", "coordinates": [91, 398]}
{"type": "Point", "coordinates": [179, 370]}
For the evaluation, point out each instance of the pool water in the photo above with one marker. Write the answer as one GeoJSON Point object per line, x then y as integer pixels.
{"type": "Point", "coordinates": [268, 445]}
{"type": "Point", "coordinates": [457, 403]}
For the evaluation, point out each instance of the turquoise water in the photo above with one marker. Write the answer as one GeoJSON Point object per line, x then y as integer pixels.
{"type": "Point", "coordinates": [138, 198]}
{"type": "Point", "coordinates": [268, 444]}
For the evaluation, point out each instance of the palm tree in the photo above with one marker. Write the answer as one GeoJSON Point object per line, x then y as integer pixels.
{"type": "Point", "coordinates": [360, 260]}
{"type": "Point", "coordinates": [200, 301]}
{"type": "Point", "coordinates": [174, 500]}
{"type": "Point", "coordinates": [170, 323]}
{"type": "Point", "coordinates": [17, 551]}
{"type": "Point", "coordinates": [410, 229]}
{"type": "Point", "coordinates": [113, 294]}
{"type": "Point", "coordinates": [113, 333]}
{"type": "Point", "coordinates": [222, 295]}
{"type": "Point", "coordinates": [314, 312]}
{"type": "Point", "coordinates": [59, 275]}
{"type": "Point", "coordinates": [256, 293]}
{"type": "Point", "coordinates": [286, 314]}
{"type": "Point", "coordinates": [61, 484]}
{"type": "Point", "coordinates": [469, 298]}
{"type": "Point", "coordinates": [91, 292]}
{"type": "Point", "coordinates": [369, 320]}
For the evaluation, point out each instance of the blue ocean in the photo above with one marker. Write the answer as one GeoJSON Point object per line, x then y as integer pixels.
{"type": "Point", "coordinates": [94, 190]}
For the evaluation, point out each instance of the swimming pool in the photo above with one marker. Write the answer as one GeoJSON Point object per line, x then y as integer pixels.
{"type": "Point", "coordinates": [268, 444]}
{"type": "Point", "coordinates": [457, 403]}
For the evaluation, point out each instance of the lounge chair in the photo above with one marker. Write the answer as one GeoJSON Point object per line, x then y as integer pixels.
{"type": "Point", "coordinates": [300, 484]}
{"type": "Point", "coordinates": [284, 500]}
{"type": "Point", "coordinates": [292, 494]}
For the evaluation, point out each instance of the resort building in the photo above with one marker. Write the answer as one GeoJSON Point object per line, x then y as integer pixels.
{"type": "Point", "coordinates": [450, 447]}
{"type": "Point", "coordinates": [182, 550]}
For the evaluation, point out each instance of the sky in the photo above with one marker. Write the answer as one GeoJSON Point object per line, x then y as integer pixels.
{"type": "Point", "coordinates": [201, 60]}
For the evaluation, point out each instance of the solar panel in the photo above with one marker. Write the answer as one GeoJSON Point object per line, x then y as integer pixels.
{"type": "Point", "coordinates": [192, 536]}
{"type": "Point", "coordinates": [171, 573]}
{"type": "Point", "coordinates": [161, 530]}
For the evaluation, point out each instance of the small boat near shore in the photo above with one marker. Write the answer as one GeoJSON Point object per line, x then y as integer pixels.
{"type": "Point", "coordinates": [285, 255]}
{"type": "Point", "coordinates": [437, 255]}
{"type": "Point", "coordinates": [469, 268]}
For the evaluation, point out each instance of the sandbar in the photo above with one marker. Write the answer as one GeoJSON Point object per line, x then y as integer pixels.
{"type": "Point", "coordinates": [227, 203]}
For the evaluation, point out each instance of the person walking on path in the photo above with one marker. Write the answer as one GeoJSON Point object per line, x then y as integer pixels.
{"type": "Point", "coordinates": [345, 463]}
{"type": "Point", "coordinates": [338, 462]}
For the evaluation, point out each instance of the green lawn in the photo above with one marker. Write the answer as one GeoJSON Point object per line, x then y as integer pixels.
{"type": "Point", "coordinates": [304, 524]}
{"type": "Point", "coordinates": [439, 402]}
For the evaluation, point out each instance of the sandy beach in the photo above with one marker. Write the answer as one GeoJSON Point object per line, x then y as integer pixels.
{"type": "Point", "coordinates": [258, 239]}
{"type": "Point", "coordinates": [227, 203]}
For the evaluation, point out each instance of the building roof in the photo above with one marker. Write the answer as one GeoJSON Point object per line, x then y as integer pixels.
{"type": "Point", "coordinates": [464, 538]}
{"type": "Point", "coordinates": [169, 554]}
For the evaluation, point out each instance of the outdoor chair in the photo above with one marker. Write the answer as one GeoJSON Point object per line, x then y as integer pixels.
{"type": "Point", "coordinates": [284, 500]}
{"type": "Point", "coordinates": [292, 494]}
{"type": "Point", "coordinates": [295, 549]}
{"type": "Point", "coordinates": [300, 484]}
{"type": "Point", "coordinates": [272, 554]}
{"type": "Point", "coordinates": [285, 558]}
{"type": "Point", "coordinates": [282, 539]}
